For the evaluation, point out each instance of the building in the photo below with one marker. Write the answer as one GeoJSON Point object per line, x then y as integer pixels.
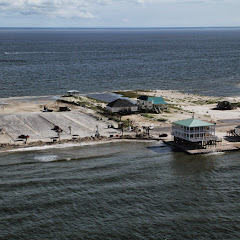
{"type": "Point", "coordinates": [156, 104]}
{"type": "Point", "coordinates": [193, 131]}
{"type": "Point", "coordinates": [73, 93]}
{"type": "Point", "coordinates": [121, 106]}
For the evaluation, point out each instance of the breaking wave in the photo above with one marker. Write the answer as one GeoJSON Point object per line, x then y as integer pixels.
{"type": "Point", "coordinates": [215, 153]}
{"type": "Point", "coordinates": [59, 146]}
{"type": "Point", "coordinates": [46, 158]}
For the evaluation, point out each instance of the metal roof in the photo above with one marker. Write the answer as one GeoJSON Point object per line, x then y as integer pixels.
{"type": "Point", "coordinates": [155, 100]}
{"type": "Point", "coordinates": [121, 103]}
{"type": "Point", "coordinates": [73, 91]}
{"type": "Point", "coordinates": [192, 122]}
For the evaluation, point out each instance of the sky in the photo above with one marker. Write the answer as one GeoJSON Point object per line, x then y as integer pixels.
{"type": "Point", "coordinates": [119, 13]}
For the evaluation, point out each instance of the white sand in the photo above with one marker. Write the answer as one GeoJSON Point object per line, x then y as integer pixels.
{"type": "Point", "coordinates": [18, 116]}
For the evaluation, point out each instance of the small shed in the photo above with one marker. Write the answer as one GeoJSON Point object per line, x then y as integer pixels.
{"type": "Point", "coordinates": [156, 104]}
{"type": "Point", "coordinates": [73, 93]}
{"type": "Point", "coordinates": [121, 106]}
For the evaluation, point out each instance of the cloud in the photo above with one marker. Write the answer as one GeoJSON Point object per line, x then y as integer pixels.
{"type": "Point", "coordinates": [58, 8]}
{"type": "Point", "coordinates": [55, 8]}
{"type": "Point", "coordinates": [83, 8]}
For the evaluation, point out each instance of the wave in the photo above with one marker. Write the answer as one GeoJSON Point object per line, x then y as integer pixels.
{"type": "Point", "coordinates": [215, 153]}
{"type": "Point", "coordinates": [18, 53]}
{"type": "Point", "coordinates": [46, 158]}
{"type": "Point", "coordinates": [57, 146]}
{"type": "Point", "coordinates": [70, 145]}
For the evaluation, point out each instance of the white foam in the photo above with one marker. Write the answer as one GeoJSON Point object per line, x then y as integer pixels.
{"type": "Point", "coordinates": [57, 146]}
{"type": "Point", "coordinates": [69, 145]}
{"type": "Point", "coordinates": [46, 158]}
{"type": "Point", "coordinates": [216, 153]}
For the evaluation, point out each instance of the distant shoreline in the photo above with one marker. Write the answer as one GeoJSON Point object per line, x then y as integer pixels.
{"type": "Point", "coordinates": [119, 28]}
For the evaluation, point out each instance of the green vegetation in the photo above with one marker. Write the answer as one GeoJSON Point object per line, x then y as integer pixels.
{"type": "Point", "coordinates": [132, 94]}
{"type": "Point", "coordinates": [95, 100]}
{"type": "Point", "coordinates": [129, 94]}
{"type": "Point", "coordinates": [204, 102]}
{"type": "Point", "coordinates": [235, 105]}
{"type": "Point", "coordinates": [143, 90]}
{"type": "Point", "coordinates": [174, 106]}
{"type": "Point", "coordinates": [167, 111]}
{"type": "Point", "coordinates": [161, 119]}
{"type": "Point", "coordinates": [147, 115]}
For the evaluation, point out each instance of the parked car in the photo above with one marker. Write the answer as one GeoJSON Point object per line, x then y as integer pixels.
{"type": "Point", "coordinates": [23, 136]}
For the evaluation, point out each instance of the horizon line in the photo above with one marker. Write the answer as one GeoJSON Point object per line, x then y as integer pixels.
{"type": "Point", "coordinates": [118, 27]}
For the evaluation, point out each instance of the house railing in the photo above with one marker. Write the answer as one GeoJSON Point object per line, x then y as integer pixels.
{"type": "Point", "coordinates": [203, 138]}
{"type": "Point", "coordinates": [191, 138]}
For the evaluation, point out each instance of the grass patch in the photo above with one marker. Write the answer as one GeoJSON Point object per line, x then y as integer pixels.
{"type": "Point", "coordinates": [129, 94]}
{"type": "Point", "coordinates": [167, 111]}
{"type": "Point", "coordinates": [143, 90]}
{"type": "Point", "coordinates": [174, 106]}
{"type": "Point", "coordinates": [95, 100]}
{"type": "Point", "coordinates": [204, 102]}
{"type": "Point", "coordinates": [162, 120]}
{"type": "Point", "coordinates": [147, 115]}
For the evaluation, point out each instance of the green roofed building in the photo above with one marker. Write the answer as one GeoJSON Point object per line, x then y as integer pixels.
{"type": "Point", "coordinates": [193, 130]}
{"type": "Point", "coordinates": [156, 104]}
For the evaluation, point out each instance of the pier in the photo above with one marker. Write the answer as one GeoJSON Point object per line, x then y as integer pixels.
{"type": "Point", "coordinates": [211, 149]}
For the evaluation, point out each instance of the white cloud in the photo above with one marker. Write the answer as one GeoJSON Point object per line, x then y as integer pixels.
{"type": "Point", "coordinates": [119, 13]}
{"type": "Point", "coordinates": [58, 8]}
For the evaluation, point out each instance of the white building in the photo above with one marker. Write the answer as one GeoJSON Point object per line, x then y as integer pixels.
{"type": "Point", "coordinates": [193, 130]}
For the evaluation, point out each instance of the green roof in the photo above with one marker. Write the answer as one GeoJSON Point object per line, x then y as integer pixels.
{"type": "Point", "coordinates": [155, 100]}
{"type": "Point", "coordinates": [192, 122]}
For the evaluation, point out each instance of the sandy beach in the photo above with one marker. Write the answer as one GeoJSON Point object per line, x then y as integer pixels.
{"type": "Point", "coordinates": [25, 116]}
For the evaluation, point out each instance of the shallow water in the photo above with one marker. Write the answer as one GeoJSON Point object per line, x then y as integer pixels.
{"type": "Point", "coordinates": [119, 191]}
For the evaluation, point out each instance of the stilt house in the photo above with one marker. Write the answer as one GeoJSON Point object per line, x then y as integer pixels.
{"type": "Point", "coordinates": [194, 131]}
{"type": "Point", "coordinates": [156, 104]}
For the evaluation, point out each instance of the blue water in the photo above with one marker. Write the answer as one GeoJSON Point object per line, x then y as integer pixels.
{"type": "Point", "coordinates": [53, 61]}
{"type": "Point", "coordinates": [119, 191]}
{"type": "Point", "coordinates": [122, 190]}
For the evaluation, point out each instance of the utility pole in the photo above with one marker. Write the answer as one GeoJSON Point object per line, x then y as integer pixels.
{"type": "Point", "coordinates": [122, 129]}
{"type": "Point", "coordinates": [97, 132]}
{"type": "Point", "coordinates": [58, 133]}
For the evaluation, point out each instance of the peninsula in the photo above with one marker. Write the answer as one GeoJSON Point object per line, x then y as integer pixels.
{"type": "Point", "coordinates": [36, 121]}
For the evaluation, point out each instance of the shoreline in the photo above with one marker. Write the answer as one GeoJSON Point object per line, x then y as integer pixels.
{"type": "Point", "coordinates": [24, 115]}
{"type": "Point", "coordinates": [125, 90]}
{"type": "Point", "coordinates": [69, 144]}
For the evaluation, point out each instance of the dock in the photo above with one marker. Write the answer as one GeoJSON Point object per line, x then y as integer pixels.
{"type": "Point", "coordinates": [211, 149]}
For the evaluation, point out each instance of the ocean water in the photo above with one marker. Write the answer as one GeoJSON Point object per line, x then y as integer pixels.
{"type": "Point", "coordinates": [119, 191]}
{"type": "Point", "coordinates": [53, 61]}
